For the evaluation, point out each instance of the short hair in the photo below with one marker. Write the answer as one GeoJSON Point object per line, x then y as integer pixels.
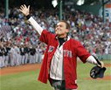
{"type": "Point", "coordinates": [67, 24]}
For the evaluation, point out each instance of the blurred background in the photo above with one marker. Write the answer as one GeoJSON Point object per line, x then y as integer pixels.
{"type": "Point", "coordinates": [90, 22]}
{"type": "Point", "coordinates": [21, 52]}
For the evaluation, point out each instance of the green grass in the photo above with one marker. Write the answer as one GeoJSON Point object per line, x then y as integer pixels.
{"type": "Point", "coordinates": [28, 80]}
{"type": "Point", "coordinates": [23, 81]}
{"type": "Point", "coordinates": [92, 84]}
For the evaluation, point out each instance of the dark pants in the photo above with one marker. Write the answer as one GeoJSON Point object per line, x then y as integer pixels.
{"type": "Point", "coordinates": [59, 85]}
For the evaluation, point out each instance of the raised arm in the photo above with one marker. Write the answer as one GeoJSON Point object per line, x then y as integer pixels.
{"type": "Point", "coordinates": [26, 11]}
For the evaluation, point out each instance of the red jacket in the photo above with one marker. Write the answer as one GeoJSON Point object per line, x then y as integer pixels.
{"type": "Point", "coordinates": [71, 50]}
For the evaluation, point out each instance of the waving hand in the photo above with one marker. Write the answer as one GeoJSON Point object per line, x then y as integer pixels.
{"type": "Point", "coordinates": [25, 10]}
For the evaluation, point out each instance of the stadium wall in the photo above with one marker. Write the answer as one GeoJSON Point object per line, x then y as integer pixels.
{"type": "Point", "coordinates": [104, 56]}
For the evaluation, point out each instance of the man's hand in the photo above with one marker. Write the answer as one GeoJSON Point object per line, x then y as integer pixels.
{"type": "Point", "coordinates": [24, 9]}
{"type": "Point", "coordinates": [102, 64]}
{"type": "Point", "coordinates": [99, 63]}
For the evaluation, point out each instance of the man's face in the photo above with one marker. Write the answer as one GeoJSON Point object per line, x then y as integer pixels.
{"type": "Point", "coordinates": [61, 30]}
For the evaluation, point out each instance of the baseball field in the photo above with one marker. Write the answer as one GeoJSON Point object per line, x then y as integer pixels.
{"type": "Point", "coordinates": [25, 78]}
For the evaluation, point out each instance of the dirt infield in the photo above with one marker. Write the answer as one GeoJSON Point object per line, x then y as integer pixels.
{"type": "Point", "coordinates": [105, 78]}
{"type": "Point", "coordinates": [33, 67]}
{"type": "Point", "coordinates": [107, 65]}
{"type": "Point", "coordinates": [18, 69]}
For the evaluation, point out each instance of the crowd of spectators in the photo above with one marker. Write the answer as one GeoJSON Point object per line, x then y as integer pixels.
{"type": "Point", "coordinates": [94, 34]}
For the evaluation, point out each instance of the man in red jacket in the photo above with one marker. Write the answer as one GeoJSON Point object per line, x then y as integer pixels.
{"type": "Point", "coordinates": [60, 60]}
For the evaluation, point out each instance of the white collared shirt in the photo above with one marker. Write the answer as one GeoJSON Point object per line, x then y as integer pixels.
{"type": "Point", "coordinates": [56, 69]}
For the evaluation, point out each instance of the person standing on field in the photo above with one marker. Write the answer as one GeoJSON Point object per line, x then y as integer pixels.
{"type": "Point", "coordinates": [60, 60]}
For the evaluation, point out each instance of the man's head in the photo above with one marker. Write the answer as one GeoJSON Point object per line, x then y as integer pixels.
{"type": "Point", "coordinates": [62, 28]}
